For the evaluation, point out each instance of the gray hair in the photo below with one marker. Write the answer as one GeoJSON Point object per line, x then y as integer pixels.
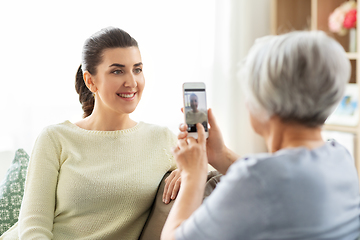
{"type": "Point", "coordinates": [299, 76]}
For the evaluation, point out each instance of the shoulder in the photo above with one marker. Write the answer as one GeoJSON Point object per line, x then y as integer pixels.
{"type": "Point", "coordinates": [54, 129]}
{"type": "Point", "coordinates": [53, 132]}
{"type": "Point", "coordinates": [50, 140]}
{"type": "Point", "coordinates": [293, 163]}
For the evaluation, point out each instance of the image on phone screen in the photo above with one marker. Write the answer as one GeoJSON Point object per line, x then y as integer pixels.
{"type": "Point", "coordinates": [195, 108]}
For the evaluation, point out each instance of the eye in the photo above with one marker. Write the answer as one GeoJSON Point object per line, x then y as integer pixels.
{"type": "Point", "coordinates": [137, 70]}
{"type": "Point", "coordinates": [116, 72]}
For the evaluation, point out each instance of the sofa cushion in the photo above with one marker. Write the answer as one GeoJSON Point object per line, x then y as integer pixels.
{"type": "Point", "coordinates": [6, 158]}
{"type": "Point", "coordinates": [12, 190]}
{"type": "Point", "coordinates": [212, 179]}
{"type": "Point", "coordinates": [160, 211]}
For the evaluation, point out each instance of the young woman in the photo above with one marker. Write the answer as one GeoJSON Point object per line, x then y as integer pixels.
{"type": "Point", "coordinates": [97, 178]}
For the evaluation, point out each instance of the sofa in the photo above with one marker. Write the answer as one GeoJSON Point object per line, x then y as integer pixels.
{"type": "Point", "coordinates": [13, 167]}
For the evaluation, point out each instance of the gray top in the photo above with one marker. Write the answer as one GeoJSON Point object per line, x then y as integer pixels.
{"type": "Point", "coordinates": [292, 194]}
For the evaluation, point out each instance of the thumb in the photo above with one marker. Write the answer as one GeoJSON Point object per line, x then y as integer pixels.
{"type": "Point", "coordinates": [212, 120]}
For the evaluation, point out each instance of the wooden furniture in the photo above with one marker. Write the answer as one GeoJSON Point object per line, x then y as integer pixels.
{"type": "Point", "coordinates": [289, 15]}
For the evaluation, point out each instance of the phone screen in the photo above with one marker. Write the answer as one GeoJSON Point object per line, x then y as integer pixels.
{"type": "Point", "coordinates": [195, 108]}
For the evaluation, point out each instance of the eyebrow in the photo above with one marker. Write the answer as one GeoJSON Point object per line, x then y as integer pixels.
{"type": "Point", "coordinates": [122, 65]}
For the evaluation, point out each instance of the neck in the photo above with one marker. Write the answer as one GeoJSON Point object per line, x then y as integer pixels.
{"type": "Point", "coordinates": [106, 121]}
{"type": "Point", "coordinates": [290, 135]}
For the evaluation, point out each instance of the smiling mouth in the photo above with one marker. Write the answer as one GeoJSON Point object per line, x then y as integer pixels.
{"type": "Point", "coordinates": [123, 95]}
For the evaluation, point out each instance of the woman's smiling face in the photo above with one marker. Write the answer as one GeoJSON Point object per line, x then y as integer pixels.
{"type": "Point", "coordinates": [119, 80]}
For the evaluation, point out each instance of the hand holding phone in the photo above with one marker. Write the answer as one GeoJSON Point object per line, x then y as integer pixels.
{"type": "Point", "coordinates": [195, 109]}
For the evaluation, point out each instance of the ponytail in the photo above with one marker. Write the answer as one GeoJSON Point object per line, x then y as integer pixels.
{"type": "Point", "coordinates": [86, 97]}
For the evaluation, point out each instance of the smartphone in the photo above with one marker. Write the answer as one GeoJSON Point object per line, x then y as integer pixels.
{"type": "Point", "coordinates": [195, 109]}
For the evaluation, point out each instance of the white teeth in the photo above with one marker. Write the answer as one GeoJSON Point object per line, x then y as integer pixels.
{"type": "Point", "coordinates": [126, 95]}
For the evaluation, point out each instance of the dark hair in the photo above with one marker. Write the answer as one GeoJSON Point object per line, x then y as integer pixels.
{"type": "Point", "coordinates": [193, 94]}
{"type": "Point", "coordinates": [92, 55]}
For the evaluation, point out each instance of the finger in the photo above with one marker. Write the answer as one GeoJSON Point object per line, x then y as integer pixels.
{"type": "Point", "coordinates": [176, 189]}
{"type": "Point", "coordinates": [183, 127]}
{"type": "Point", "coordinates": [167, 187]}
{"type": "Point", "coordinates": [167, 183]}
{"type": "Point", "coordinates": [182, 135]}
{"type": "Point", "coordinates": [182, 110]}
{"type": "Point", "coordinates": [169, 192]}
{"type": "Point", "coordinates": [182, 143]}
{"type": "Point", "coordinates": [201, 133]}
{"type": "Point", "coordinates": [175, 149]}
{"type": "Point", "coordinates": [191, 140]}
{"type": "Point", "coordinates": [165, 191]}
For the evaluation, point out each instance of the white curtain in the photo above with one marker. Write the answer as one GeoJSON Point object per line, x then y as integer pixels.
{"type": "Point", "coordinates": [238, 24]}
{"type": "Point", "coordinates": [41, 43]}
{"type": "Point", "coordinates": [188, 40]}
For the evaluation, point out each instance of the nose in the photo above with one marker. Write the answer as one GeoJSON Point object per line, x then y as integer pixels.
{"type": "Point", "coordinates": [130, 81]}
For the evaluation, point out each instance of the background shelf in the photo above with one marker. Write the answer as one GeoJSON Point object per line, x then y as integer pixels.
{"type": "Point", "coordinates": [340, 128]}
{"type": "Point", "coordinates": [352, 56]}
{"type": "Point", "coordinates": [289, 15]}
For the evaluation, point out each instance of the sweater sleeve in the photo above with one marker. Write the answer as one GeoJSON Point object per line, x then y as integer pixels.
{"type": "Point", "coordinates": [172, 141]}
{"type": "Point", "coordinates": [37, 210]}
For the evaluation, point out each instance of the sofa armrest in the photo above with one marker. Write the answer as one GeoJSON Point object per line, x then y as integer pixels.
{"type": "Point", "coordinates": [157, 216]}
{"type": "Point", "coordinates": [160, 211]}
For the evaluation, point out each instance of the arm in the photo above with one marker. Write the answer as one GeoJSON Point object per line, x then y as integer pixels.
{"type": "Point", "coordinates": [37, 210]}
{"type": "Point", "coordinates": [192, 162]}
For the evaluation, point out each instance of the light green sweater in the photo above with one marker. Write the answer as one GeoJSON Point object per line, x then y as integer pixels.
{"type": "Point", "coordinates": [93, 184]}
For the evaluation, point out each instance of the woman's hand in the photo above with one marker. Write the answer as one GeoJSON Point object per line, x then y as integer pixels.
{"type": "Point", "coordinates": [172, 186]}
{"type": "Point", "coordinates": [219, 156]}
{"type": "Point", "coordinates": [190, 154]}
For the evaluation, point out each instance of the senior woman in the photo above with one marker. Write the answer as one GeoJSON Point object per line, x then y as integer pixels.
{"type": "Point", "coordinates": [304, 188]}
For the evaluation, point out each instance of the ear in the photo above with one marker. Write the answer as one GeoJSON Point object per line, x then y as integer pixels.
{"type": "Point", "coordinates": [89, 81]}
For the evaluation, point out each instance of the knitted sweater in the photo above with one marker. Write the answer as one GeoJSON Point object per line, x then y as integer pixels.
{"type": "Point", "coordinates": [85, 184]}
